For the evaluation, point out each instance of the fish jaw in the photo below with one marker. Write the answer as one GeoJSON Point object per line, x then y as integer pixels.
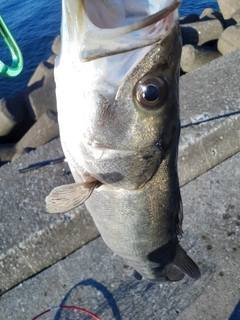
{"type": "Point", "coordinates": [99, 137]}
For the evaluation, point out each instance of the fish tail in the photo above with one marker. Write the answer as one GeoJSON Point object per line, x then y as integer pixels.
{"type": "Point", "coordinates": [182, 264]}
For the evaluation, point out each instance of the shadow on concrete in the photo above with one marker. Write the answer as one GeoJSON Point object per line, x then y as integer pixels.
{"type": "Point", "coordinates": [98, 289]}
{"type": "Point", "coordinates": [236, 313]}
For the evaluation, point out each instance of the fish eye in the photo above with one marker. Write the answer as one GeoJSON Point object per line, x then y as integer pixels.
{"type": "Point", "coordinates": [152, 93]}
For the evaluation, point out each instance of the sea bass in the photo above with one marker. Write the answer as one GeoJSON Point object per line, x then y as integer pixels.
{"type": "Point", "coordinates": [117, 80]}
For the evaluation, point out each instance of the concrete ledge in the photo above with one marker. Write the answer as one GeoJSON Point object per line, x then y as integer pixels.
{"type": "Point", "coordinates": [205, 94]}
{"type": "Point", "coordinates": [31, 239]}
{"type": "Point", "coordinates": [204, 146]}
{"type": "Point", "coordinates": [97, 280]}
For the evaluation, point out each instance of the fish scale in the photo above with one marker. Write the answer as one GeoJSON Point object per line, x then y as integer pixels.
{"type": "Point", "coordinates": [121, 137]}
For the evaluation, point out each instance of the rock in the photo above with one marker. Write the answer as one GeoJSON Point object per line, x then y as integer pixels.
{"type": "Point", "coordinates": [210, 14]}
{"type": "Point", "coordinates": [194, 57]}
{"type": "Point", "coordinates": [51, 59]}
{"type": "Point", "coordinates": [7, 121]}
{"type": "Point", "coordinates": [235, 19]}
{"type": "Point", "coordinates": [228, 7]}
{"type": "Point", "coordinates": [7, 152]}
{"type": "Point", "coordinates": [17, 106]}
{"type": "Point", "coordinates": [236, 16]}
{"type": "Point", "coordinates": [43, 131]}
{"type": "Point", "coordinates": [41, 91]}
{"type": "Point", "coordinates": [189, 19]}
{"type": "Point", "coordinates": [201, 32]}
{"type": "Point", "coordinates": [229, 40]}
{"type": "Point", "coordinates": [56, 45]}
{"type": "Point", "coordinates": [12, 114]}
{"type": "Point", "coordinates": [206, 13]}
{"type": "Point", "coordinates": [43, 70]}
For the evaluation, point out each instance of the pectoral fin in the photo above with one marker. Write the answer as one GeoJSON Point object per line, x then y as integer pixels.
{"type": "Point", "coordinates": [69, 196]}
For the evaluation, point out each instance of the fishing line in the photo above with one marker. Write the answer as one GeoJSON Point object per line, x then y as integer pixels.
{"type": "Point", "coordinates": [195, 123]}
{"type": "Point", "coordinates": [42, 164]}
{"type": "Point", "coordinates": [63, 159]}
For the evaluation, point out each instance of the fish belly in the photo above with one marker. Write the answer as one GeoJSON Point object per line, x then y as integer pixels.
{"type": "Point", "coordinates": [133, 224]}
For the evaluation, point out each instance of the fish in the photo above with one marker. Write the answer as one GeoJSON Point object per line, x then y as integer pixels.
{"type": "Point", "coordinates": [117, 89]}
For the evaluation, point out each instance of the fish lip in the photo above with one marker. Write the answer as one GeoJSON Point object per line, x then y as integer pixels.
{"type": "Point", "coordinates": [96, 146]}
{"type": "Point", "coordinates": [175, 4]}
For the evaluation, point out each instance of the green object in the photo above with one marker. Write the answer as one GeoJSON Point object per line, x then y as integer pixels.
{"type": "Point", "coordinates": [17, 58]}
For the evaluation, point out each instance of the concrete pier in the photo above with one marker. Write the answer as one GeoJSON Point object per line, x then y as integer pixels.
{"type": "Point", "coordinates": [33, 276]}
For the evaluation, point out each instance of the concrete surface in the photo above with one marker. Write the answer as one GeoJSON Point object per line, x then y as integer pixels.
{"type": "Point", "coordinates": [31, 239]}
{"type": "Point", "coordinates": [97, 280]}
{"type": "Point", "coordinates": [205, 94]}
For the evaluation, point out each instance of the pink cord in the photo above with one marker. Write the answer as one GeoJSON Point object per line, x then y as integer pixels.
{"type": "Point", "coordinates": [68, 307]}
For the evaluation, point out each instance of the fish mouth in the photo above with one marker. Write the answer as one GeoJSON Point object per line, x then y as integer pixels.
{"type": "Point", "coordinates": [118, 26]}
{"type": "Point", "coordinates": [107, 39]}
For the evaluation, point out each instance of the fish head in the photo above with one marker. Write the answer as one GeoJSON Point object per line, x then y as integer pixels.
{"type": "Point", "coordinates": [121, 64]}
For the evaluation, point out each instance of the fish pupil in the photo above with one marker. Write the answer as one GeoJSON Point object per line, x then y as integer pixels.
{"type": "Point", "coordinates": [151, 93]}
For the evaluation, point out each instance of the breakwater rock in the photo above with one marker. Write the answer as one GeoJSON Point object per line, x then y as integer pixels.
{"type": "Point", "coordinates": [29, 119]}
{"type": "Point", "coordinates": [210, 35]}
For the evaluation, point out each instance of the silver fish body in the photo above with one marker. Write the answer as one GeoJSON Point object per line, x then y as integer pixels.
{"type": "Point", "coordinates": [120, 131]}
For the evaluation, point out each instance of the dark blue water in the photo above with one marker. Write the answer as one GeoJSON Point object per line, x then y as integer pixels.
{"type": "Point", "coordinates": [35, 24]}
